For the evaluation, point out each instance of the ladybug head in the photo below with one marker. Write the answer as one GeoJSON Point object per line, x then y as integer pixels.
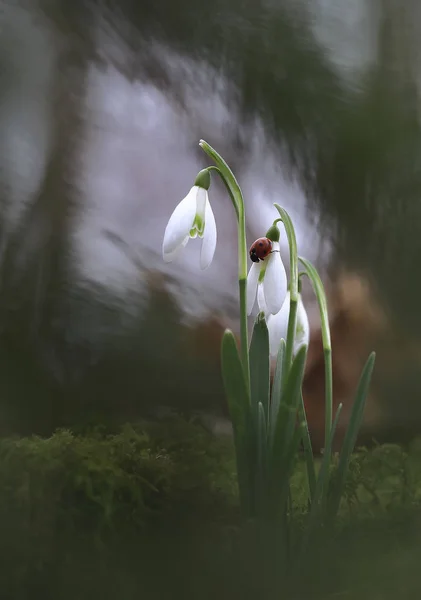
{"type": "Point", "coordinates": [253, 255]}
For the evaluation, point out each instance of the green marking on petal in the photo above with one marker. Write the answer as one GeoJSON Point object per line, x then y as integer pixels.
{"type": "Point", "coordinates": [262, 274]}
{"type": "Point", "coordinates": [201, 228]}
{"type": "Point", "coordinates": [198, 226]}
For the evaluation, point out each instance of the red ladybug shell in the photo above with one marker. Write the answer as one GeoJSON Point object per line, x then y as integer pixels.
{"type": "Point", "coordinates": [260, 249]}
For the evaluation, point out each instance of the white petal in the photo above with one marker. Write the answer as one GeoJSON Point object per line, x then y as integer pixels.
{"type": "Point", "coordinates": [209, 238]}
{"type": "Point", "coordinates": [180, 223]}
{"type": "Point", "coordinates": [275, 282]}
{"type": "Point", "coordinates": [278, 326]}
{"type": "Point", "coordinates": [261, 299]}
{"type": "Point", "coordinates": [173, 255]}
{"type": "Point", "coordinates": [252, 280]}
{"type": "Point", "coordinates": [302, 335]}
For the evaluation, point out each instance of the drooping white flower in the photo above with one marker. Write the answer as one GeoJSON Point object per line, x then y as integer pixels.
{"type": "Point", "coordinates": [278, 324]}
{"type": "Point", "coordinates": [269, 275]}
{"type": "Point", "coordinates": [192, 217]}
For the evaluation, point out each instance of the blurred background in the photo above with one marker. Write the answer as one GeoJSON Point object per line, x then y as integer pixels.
{"type": "Point", "coordinates": [314, 104]}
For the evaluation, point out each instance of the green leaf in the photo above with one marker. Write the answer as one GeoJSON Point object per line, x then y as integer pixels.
{"type": "Point", "coordinates": [261, 475]}
{"type": "Point", "coordinates": [308, 450]}
{"type": "Point", "coordinates": [239, 408]}
{"type": "Point", "coordinates": [277, 389]}
{"type": "Point", "coordinates": [259, 366]}
{"type": "Point", "coordinates": [284, 438]}
{"type": "Point", "coordinates": [296, 392]}
{"type": "Point", "coordinates": [351, 435]}
{"type": "Point", "coordinates": [289, 401]}
{"type": "Point", "coordinates": [321, 490]}
{"type": "Point", "coordinates": [288, 463]}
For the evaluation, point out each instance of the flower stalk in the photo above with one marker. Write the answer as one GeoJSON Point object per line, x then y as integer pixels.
{"type": "Point", "coordinates": [237, 200]}
{"type": "Point", "coordinates": [293, 286]}
{"type": "Point", "coordinates": [269, 417]}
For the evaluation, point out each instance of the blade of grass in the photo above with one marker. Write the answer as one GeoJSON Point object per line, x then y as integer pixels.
{"type": "Point", "coordinates": [308, 449]}
{"type": "Point", "coordinates": [239, 408]}
{"type": "Point", "coordinates": [288, 462]}
{"type": "Point", "coordinates": [314, 515]}
{"type": "Point", "coordinates": [351, 435]}
{"type": "Point", "coordinates": [288, 404]}
{"type": "Point", "coordinates": [292, 422]}
{"type": "Point", "coordinates": [261, 475]}
{"type": "Point", "coordinates": [277, 389]}
{"type": "Point", "coordinates": [322, 479]}
{"type": "Point", "coordinates": [259, 366]}
{"type": "Point", "coordinates": [286, 419]}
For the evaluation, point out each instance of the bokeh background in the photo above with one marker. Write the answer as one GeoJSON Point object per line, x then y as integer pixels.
{"type": "Point", "coordinates": [315, 104]}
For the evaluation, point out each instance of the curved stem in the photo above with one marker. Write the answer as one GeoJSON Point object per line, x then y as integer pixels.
{"type": "Point", "coordinates": [236, 196]}
{"type": "Point", "coordinates": [292, 326]}
{"type": "Point", "coordinates": [327, 346]}
{"type": "Point", "coordinates": [293, 260]}
{"type": "Point", "coordinates": [234, 203]}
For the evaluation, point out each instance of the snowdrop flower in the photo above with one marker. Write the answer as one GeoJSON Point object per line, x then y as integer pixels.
{"type": "Point", "coordinates": [278, 324]}
{"type": "Point", "coordinates": [267, 273]}
{"type": "Point", "coordinates": [192, 217]}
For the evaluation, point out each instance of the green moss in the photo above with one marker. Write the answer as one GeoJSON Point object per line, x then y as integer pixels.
{"type": "Point", "coordinates": [152, 512]}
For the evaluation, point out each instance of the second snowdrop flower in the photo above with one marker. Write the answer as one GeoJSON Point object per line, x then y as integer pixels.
{"type": "Point", "coordinates": [267, 272]}
{"type": "Point", "coordinates": [278, 324]}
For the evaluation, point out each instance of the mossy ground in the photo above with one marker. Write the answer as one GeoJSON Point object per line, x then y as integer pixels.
{"type": "Point", "coordinates": [151, 512]}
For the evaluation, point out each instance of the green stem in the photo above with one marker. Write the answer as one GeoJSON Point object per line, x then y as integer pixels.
{"type": "Point", "coordinates": [308, 450]}
{"type": "Point", "coordinates": [292, 326]}
{"type": "Point", "coordinates": [329, 392]}
{"type": "Point", "coordinates": [236, 196]}
{"type": "Point", "coordinates": [225, 182]}
{"type": "Point", "coordinates": [327, 346]}
{"type": "Point", "coordinates": [242, 280]}
{"type": "Point", "coordinates": [293, 288]}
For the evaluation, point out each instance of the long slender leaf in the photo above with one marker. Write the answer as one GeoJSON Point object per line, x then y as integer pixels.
{"type": "Point", "coordinates": [288, 406]}
{"type": "Point", "coordinates": [351, 435]}
{"type": "Point", "coordinates": [239, 408]}
{"type": "Point", "coordinates": [261, 474]}
{"type": "Point", "coordinates": [315, 511]}
{"type": "Point", "coordinates": [288, 462]}
{"type": "Point", "coordinates": [260, 366]}
{"type": "Point", "coordinates": [292, 420]}
{"type": "Point", "coordinates": [277, 386]}
{"type": "Point", "coordinates": [279, 450]}
{"type": "Point", "coordinates": [323, 475]}
{"type": "Point", "coordinates": [308, 449]}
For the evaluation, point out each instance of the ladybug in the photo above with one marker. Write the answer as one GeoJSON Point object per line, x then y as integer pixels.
{"type": "Point", "coordinates": [260, 249]}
